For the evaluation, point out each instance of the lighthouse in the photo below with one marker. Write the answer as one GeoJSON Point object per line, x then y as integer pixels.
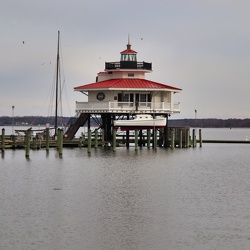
{"type": "Point", "coordinates": [122, 90]}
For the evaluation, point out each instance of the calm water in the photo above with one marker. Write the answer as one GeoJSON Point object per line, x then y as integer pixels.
{"type": "Point", "coordinates": [196, 198]}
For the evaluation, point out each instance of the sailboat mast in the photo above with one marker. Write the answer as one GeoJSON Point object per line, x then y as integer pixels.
{"type": "Point", "coordinates": [57, 79]}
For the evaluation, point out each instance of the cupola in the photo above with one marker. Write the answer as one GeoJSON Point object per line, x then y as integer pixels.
{"type": "Point", "coordinates": [128, 54]}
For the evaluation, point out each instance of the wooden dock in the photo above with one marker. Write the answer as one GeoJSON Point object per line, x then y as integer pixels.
{"type": "Point", "coordinates": [176, 138]}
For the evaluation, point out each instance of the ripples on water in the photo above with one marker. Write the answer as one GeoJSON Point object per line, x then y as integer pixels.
{"type": "Point", "coordinates": [196, 198]}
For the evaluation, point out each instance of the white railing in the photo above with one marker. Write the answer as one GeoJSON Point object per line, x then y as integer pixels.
{"type": "Point", "coordinates": [127, 107]}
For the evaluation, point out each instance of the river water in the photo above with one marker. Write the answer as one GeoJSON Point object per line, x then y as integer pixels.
{"type": "Point", "coordinates": [195, 198]}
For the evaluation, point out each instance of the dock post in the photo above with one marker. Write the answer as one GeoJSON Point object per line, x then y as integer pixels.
{"type": "Point", "coordinates": [127, 138]}
{"type": "Point", "coordinates": [148, 138]}
{"type": "Point", "coordinates": [34, 143]}
{"type": "Point", "coordinates": [47, 138]}
{"type": "Point", "coordinates": [96, 138]}
{"type": "Point", "coordinates": [200, 137]}
{"type": "Point", "coordinates": [153, 139]}
{"type": "Point", "coordinates": [14, 141]}
{"type": "Point", "coordinates": [57, 138]}
{"type": "Point", "coordinates": [3, 139]}
{"type": "Point", "coordinates": [180, 139]}
{"type": "Point", "coordinates": [103, 137]}
{"type": "Point", "coordinates": [60, 141]}
{"type": "Point", "coordinates": [39, 143]}
{"type": "Point", "coordinates": [194, 138]}
{"type": "Point", "coordinates": [114, 140]}
{"type": "Point", "coordinates": [172, 138]}
{"type": "Point", "coordinates": [81, 140]}
{"type": "Point", "coordinates": [187, 138]}
{"type": "Point", "coordinates": [136, 140]}
{"type": "Point", "coordinates": [27, 143]}
{"type": "Point", "coordinates": [89, 141]}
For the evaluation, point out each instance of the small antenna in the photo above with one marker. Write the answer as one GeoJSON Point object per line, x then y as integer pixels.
{"type": "Point", "coordinates": [128, 45]}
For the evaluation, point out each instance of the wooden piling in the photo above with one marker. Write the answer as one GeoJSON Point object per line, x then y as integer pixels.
{"type": "Point", "coordinates": [180, 138]}
{"type": "Point", "coordinates": [27, 143]}
{"type": "Point", "coordinates": [34, 143]}
{"type": "Point", "coordinates": [154, 138]}
{"type": "Point", "coordinates": [3, 139]}
{"type": "Point", "coordinates": [81, 140]}
{"type": "Point", "coordinates": [13, 141]}
{"type": "Point", "coordinates": [148, 138]}
{"type": "Point", "coordinates": [103, 138]}
{"type": "Point", "coordinates": [127, 138]}
{"type": "Point", "coordinates": [114, 140]}
{"type": "Point", "coordinates": [194, 138]}
{"type": "Point", "coordinates": [47, 138]}
{"type": "Point", "coordinates": [89, 141]}
{"type": "Point", "coordinates": [172, 143]}
{"type": "Point", "coordinates": [200, 137]}
{"type": "Point", "coordinates": [60, 141]}
{"type": "Point", "coordinates": [96, 138]}
{"type": "Point", "coordinates": [136, 140]}
{"type": "Point", "coordinates": [187, 142]}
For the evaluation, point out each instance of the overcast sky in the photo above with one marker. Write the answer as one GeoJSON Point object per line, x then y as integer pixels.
{"type": "Point", "coordinates": [200, 46]}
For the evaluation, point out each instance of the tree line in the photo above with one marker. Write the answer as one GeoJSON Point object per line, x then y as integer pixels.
{"type": "Point", "coordinates": [211, 123]}
{"type": "Point", "coordinates": [203, 123]}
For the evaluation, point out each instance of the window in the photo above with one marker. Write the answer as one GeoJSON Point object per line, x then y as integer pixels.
{"type": "Point", "coordinates": [123, 97]}
{"type": "Point", "coordinates": [143, 97]}
{"type": "Point", "coordinates": [131, 75]}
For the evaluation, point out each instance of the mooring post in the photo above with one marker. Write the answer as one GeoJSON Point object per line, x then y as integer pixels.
{"type": "Point", "coordinates": [57, 138]}
{"type": "Point", "coordinates": [60, 142]}
{"type": "Point", "coordinates": [27, 143]}
{"type": "Point", "coordinates": [127, 138]}
{"type": "Point", "coordinates": [114, 140]}
{"type": "Point", "coordinates": [96, 138]}
{"type": "Point", "coordinates": [89, 141]}
{"type": "Point", "coordinates": [200, 137]}
{"type": "Point", "coordinates": [81, 140]}
{"type": "Point", "coordinates": [39, 143]}
{"type": "Point", "coordinates": [172, 138]}
{"type": "Point", "coordinates": [103, 137]}
{"type": "Point", "coordinates": [180, 138]}
{"type": "Point", "coordinates": [47, 138]}
{"type": "Point", "coordinates": [194, 138]}
{"type": "Point", "coordinates": [136, 140]}
{"type": "Point", "coordinates": [187, 138]}
{"type": "Point", "coordinates": [14, 141]}
{"type": "Point", "coordinates": [3, 139]}
{"type": "Point", "coordinates": [148, 138]}
{"type": "Point", "coordinates": [153, 138]}
{"type": "Point", "coordinates": [34, 143]}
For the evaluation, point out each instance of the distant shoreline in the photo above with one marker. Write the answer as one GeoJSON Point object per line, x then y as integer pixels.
{"type": "Point", "coordinates": [201, 123]}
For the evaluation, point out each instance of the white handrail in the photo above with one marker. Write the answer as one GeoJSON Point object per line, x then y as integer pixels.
{"type": "Point", "coordinates": [127, 106]}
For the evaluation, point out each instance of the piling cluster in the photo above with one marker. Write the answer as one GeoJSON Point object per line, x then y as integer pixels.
{"type": "Point", "coordinates": [175, 138]}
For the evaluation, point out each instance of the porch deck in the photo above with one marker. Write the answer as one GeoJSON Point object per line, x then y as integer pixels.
{"type": "Point", "coordinates": [127, 107]}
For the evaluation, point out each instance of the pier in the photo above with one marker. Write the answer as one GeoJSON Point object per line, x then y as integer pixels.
{"type": "Point", "coordinates": [150, 138]}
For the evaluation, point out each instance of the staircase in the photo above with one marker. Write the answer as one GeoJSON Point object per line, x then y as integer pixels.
{"type": "Point", "coordinates": [73, 128]}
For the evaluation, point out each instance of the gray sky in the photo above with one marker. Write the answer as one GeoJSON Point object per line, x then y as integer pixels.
{"type": "Point", "coordinates": [200, 46]}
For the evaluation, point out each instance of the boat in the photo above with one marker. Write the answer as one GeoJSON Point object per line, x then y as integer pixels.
{"type": "Point", "coordinates": [141, 121]}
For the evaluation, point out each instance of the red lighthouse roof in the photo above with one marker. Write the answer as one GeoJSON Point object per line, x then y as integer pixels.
{"type": "Point", "coordinates": [126, 83]}
{"type": "Point", "coordinates": [128, 50]}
